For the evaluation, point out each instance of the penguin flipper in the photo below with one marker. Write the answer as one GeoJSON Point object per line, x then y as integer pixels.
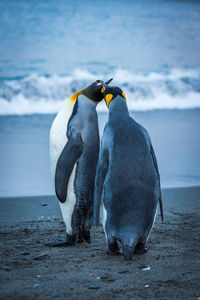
{"type": "Point", "coordinates": [101, 172]}
{"type": "Point", "coordinates": [157, 171]}
{"type": "Point", "coordinates": [65, 165]}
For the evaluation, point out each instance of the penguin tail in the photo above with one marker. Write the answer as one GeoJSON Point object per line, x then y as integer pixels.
{"type": "Point", "coordinates": [129, 245]}
{"type": "Point", "coordinates": [128, 253]}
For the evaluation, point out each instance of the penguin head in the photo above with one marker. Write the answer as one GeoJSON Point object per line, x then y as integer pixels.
{"type": "Point", "coordinates": [111, 92]}
{"type": "Point", "coordinates": [95, 90]}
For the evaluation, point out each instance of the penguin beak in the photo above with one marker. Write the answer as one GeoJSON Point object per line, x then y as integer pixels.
{"type": "Point", "coordinates": [107, 82]}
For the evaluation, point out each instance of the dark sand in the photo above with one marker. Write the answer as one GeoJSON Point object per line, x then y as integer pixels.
{"type": "Point", "coordinates": [66, 273]}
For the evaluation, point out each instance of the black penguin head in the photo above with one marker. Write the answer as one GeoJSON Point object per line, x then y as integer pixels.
{"type": "Point", "coordinates": [95, 90]}
{"type": "Point", "coordinates": [112, 92]}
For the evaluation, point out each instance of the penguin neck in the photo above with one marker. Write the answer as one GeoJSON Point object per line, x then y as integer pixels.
{"type": "Point", "coordinates": [85, 105]}
{"type": "Point", "coordinates": [118, 107]}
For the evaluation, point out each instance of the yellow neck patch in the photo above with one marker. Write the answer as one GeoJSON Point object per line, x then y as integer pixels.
{"type": "Point", "coordinates": [108, 98]}
{"type": "Point", "coordinates": [75, 96]}
{"type": "Point", "coordinates": [123, 95]}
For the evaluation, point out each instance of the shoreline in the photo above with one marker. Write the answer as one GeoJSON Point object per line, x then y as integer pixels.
{"type": "Point", "coordinates": [47, 206]}
{"type": "Point", "coordinates": [172, 257]}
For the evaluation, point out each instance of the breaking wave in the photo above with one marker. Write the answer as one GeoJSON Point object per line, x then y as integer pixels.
{"type": "Point", "coordinates": [175, 89]}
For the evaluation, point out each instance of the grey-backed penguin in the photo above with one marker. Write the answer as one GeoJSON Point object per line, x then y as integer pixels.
{"type": "Point", "coordinates": [74, 150]}
{"type": "Point", "coordinates": [127, 175]}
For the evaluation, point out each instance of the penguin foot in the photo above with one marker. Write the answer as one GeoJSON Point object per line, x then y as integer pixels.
{"type": "Point", "coordinates": [69, 241]}
{"type": "Point", "coordinates": [86, 235]}
{"type": "Point", "coordinates": [140, 249]}
{"type": "Point", "coordinates": [113, 249]}
{"type": "Point", "coordinates": [80, 238]}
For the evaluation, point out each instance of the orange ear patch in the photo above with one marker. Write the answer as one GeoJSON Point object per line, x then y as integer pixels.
{"type": "Point", "coordinates": [108, 98]}
{"type": "Point", "coordinates": [99, 83]}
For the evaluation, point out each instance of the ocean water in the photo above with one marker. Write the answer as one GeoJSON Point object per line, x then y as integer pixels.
{"type": "Point", "coordinates": [50, 49]}
{"type": "Point", "coordinates": [24, 151]}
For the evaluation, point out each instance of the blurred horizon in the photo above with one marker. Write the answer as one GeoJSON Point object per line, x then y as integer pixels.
{"type": "Point", "coordinates": [56, 37]}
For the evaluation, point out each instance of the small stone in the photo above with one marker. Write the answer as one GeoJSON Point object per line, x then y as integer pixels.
{"type": "Point", "coordinates": [44, 204]}
{"type": "Point", "coordinates": [42, 257]}
{"type": "Point", "coordinates": [146, 286]}
{"type": "Point", "coordinates": [24, 253]}
{"type": "Point", "coordinates": [5, 268]}
{"type": "Point", "coordinates": [110, 279]}
{"type": "Point", "coordinates": [123, 271]}
{"type": "Point", "coordinates": [93, 287]}
{"type": "Point", "coordinates": [36, 285]}
{"type": "Point", "coordinates": [106, 277]}
{"type": "Point", "coordinates": [143, 268]}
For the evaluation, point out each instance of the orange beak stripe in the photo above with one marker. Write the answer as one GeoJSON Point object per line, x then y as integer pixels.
{"type": "Point", "coordinates": [102, 90]}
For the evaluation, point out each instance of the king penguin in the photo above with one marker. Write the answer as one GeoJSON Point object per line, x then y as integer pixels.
{"type": "Point", "coordinates": [74, 150]}
{"type": "Point", "coordinates": [127, 182]}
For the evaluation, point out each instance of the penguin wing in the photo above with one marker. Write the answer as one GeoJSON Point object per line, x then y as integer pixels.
{"type": "Point", "coordinates": [102, 168]}
{"type": "Point", "coordinates": [157, 171]}
{"type": "Point", "coordinates": [65, 165]}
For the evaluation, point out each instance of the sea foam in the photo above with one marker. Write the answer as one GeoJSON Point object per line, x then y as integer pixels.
{"type": "Point", "coordinates": [175, 89]}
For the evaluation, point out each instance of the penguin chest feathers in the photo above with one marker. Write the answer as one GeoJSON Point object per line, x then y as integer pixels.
{"type": "Point", "coordinates": [58, 133]}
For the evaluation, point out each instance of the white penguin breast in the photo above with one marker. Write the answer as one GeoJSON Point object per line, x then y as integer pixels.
{"type": "Point", "coordinates": [58, 133]}
{"type": "Point", "coordinates": [58, 140]}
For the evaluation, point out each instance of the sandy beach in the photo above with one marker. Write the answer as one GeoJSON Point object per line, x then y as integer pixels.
{"type": "Point", "coordinates": [31, 270]}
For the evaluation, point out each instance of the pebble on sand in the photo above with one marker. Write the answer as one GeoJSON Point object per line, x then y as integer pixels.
{"type": "Point", "coordinates": [93, 287]}
{"type": "Point", "coordinates": [24, 253]}
{"type": "Point", "coordinates": [143, 268]}
{"type": "Point", "coordinates": [5, 268]}
{"type": "Point", "coordinates": [36, 285]}
{"type": "Point", "coordinates": [42, 256]}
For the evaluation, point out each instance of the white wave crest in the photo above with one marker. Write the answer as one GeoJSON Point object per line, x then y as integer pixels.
{"type": "Point", "coordinates": [178, 89]}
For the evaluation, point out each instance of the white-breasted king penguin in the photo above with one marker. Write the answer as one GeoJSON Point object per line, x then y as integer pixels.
{"type": "Point", "coordinates": [127, 175]}
{"type": "Point", "coordinates": [74, 150]}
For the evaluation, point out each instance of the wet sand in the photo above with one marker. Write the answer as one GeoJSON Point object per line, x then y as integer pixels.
{"type": "Point", "coordinates": [31, 270]}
